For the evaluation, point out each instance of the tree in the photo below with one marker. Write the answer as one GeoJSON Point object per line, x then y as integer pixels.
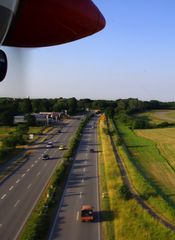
{"type": "Point", "coordinates": [22, 129]}
{"type": "Point", "coordinates": [72, 105]}
{"type": "Point", "coordinates": [31, 120]}
{"type": "Point", "coordinates": [25, 106]}
{"type": "Point", "coordinates": [6, 118]}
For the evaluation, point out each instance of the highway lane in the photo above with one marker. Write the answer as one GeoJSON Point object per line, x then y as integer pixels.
{"type": "Point", "coordinates": [81, 188]}
{"type": "Point", "coordinates": [20, 192]}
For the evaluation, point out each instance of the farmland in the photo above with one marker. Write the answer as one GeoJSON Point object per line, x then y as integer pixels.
{"type": "Point", "coordinates": [158, 116]}
{"type": "Point", "coordinates": [162, 168]}
{"type": "Point", "coordinates": [150, 162]}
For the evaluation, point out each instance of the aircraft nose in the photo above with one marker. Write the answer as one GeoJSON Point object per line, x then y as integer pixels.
{"type": "Point", "coordinates": [101, 22]}
{"type": "Point", "coordinates": [38, 23]}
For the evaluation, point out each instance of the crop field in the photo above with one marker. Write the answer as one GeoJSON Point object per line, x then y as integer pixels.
{"type": "Point", "coordinates": [159, 116]}
{"type": "Point", "coordinates": [150, 165]}
{"type": "Point", "coordinates": [162, 168]}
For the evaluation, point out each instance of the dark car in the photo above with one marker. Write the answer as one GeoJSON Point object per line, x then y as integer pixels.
{"type": "Point", "coordinates": [45, 157]}
{"type": "Point", "coordinates": [91, 150]}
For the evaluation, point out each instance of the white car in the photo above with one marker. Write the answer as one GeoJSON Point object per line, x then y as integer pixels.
{"type": "Point", "coordinates": [62, 147]}
{"type": "Point", "coordinates": [49, 145]}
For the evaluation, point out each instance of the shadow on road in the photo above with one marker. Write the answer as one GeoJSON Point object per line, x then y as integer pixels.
{"type": "Point", "coordinates": [104, 216]}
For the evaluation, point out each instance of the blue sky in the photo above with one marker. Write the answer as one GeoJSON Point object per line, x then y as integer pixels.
{"type": "Point", "coordinates": [134, 56]}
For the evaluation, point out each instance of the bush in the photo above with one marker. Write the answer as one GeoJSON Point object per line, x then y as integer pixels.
{"type": "Point", "coordinates": [125, 192]}
{"type": "Point", "coordinates": [119, 141]}
{"type": "Point", "coordinates": [140, 124]}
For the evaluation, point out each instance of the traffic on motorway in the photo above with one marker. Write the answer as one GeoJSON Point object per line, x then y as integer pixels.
{"type": "Point", "coordinates": [78, 214]}
{"type": "Point", "coordinates": [21, 190]}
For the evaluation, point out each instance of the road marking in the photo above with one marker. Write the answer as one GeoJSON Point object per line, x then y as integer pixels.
{"type": "Point", "coordinates": [29, 186]}
{"type": "Point", "coordinates": [82, 180]}
{"type": "Point", "coordinates": [32, 165]}
{"type": "Point", "coordinates": [38, 174]}
{"type": "Point", "coordinates": [3, 196]}
{"type": "Point", "coordinates": [80, 194]}
{"type": "Point", "coordinates": [0, 225]}
{"type": "Point", "coordinates": [23, 175]}
{"type": "Point", "coordinates": [77, 218]}
{"type": "Point", "coordinates": [18, 181]}
{"type": "Point", "coordinates": [28, 169]}
{"type": "Point", "coordinates": [11, 188]}
{"type": "Point", "coordinates": [45, 164]}
{"type": "Point", "coordinates": [84, 170]}
{"type": "Point", "coordinates": [37, 160]}
{"type": "Point", "coordinates": [16, 204]}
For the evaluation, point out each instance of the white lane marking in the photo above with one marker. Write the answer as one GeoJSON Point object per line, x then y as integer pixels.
{"type": "Point", "coordinates": [37, 160]}
{"type": "Point", "coordinates": [3, 196]}
{"type": "Point", "coordinates": [38, 174]}
{"type": "Point", "coordinates": [11, 188]}
{"type": "Point", "coordinates": [23, 175]}
{"type": "Point", "coordinates": [77, 218]}
{"type": "Point", "coordinates": [80, 194]}
{"type": "Point", "coordinates": [45, 165]}
{"type": "Point", "coordinates": [82, 180]}
{"type": "Point", "coordinates": [29, 186]}
{"type": "Point", "coordinates": [84, 170]}
{"type": "Point", "coordinates": [18, 181]}
{"type": "Point", "coordinates": [32, 165]}
{"type": "Point", "coordinates": [0, 225]}
{"type": "Point", "coordinates": [16, 204]}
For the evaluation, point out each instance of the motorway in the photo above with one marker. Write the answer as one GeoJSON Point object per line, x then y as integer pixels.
{"type": "Point", "coordinates": [81, 188]}
{"type": "Point", "coordinates": [20, 192]}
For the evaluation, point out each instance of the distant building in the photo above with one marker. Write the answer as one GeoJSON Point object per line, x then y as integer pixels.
{"type": "Point", "coordinates": [19, 119]}
{"type": "Point", "coordinates": [43, 117]}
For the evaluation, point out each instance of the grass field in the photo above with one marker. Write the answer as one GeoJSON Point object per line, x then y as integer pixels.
{"type": "Point", "coordinates": [150, 172]}
{"type": "Point", "coordinates": [162, 168]}
{"type": "Point", "coordinates": [121, 219]}
{"type": "Point", "coordinates": [159, 116]}
{"type": "Point", "coordinates": [4, 131]}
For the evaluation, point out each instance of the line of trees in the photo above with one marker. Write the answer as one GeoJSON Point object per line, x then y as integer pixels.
{"type": "Point", "coordinates": [10, 107]}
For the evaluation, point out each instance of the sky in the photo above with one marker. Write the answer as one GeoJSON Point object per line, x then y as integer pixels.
{"type": "Point", "coordinates": [133, 57]}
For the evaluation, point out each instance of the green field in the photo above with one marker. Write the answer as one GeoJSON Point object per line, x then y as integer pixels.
{"type": "Point", "coordinates": [162, 166]}
{"type": "Point", "coordinates": [149, 168]}
{"type": "Point", "coordinates": [159, 116]}
{"type": "Point", "coordinates": [5, 131]}
{"type": "Point", "coordinates": [121, 219]}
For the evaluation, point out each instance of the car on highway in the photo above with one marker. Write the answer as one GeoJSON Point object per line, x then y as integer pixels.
{"type": "Point", "coordinates": [45, 157]}
{"type": "Point", "coordinates": [87, 213]}
{"type": "Point", "coordinates": [91, 150]}
{"type": "Point", "coordinates": [49, 145]}
{"type": "Point", "coordinates": [62, 147]}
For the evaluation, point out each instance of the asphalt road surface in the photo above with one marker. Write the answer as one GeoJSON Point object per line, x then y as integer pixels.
{"type": "Point", "coordinates": [20, 192]}
{"type": "Point", "coordinates": [81, 188]}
